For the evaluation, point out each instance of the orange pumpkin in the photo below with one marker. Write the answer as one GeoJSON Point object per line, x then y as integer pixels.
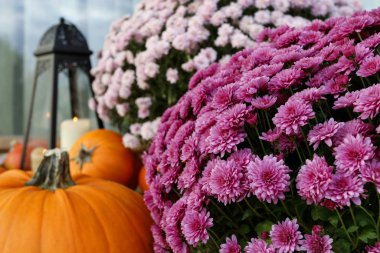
{"type": "Point", "coordinates": [101, 153]}
{"type": "Point", "coordinates": [52, 213]}
{"type": "Point", "coordinates": [142, 182]}
{"type": "Point", "coordinates": [2, 169]}
{"type": "Point", "coordinates": [13, 159]}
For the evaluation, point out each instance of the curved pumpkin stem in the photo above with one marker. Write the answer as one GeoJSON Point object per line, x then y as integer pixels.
{"type": "Point", "coordinates": [53, 172]}
{"type": "Point", "coordinates": [84, 155]}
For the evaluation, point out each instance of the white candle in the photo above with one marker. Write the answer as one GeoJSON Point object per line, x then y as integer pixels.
{"type": "Point", "coordinates": [36, 157]}
{"type": "Point", "coordinates": [71, 130]}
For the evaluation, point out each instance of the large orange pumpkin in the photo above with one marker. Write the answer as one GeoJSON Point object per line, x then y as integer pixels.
{"type": "Point", "coordinates": [52, 213]}
{"type": "Point", "coordinates": [2, 169]}
{"type": "Point", "coordinates": [143, 185]}
{"type": "Point", "coordinates": [13, 159]}
{"type": "Point", "coordinates": [101, 153]}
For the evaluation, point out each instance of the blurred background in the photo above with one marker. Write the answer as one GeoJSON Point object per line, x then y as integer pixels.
{"type": "Point", "coordinates": [23, 22]}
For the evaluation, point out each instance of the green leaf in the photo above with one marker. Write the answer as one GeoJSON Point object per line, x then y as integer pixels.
{"type": "Point", "coordinates": [320, 213]}
{"type": "Point", "coordinates": [352, 229]}
{"type": "Point", "coordinates": [264, 226]}
{"type": "Point", "coordinates": [247, 213]}
{"type": "Point", "coordinates": [367, 233]}
{"type": "Point", "coordinates": [244, 229]}
{"type": "Point", "coordinates": [342, 246]}
{"type": "Point", "coordinates": [362, 218]}
{"type": "Point", "coordinates": [334, 220]}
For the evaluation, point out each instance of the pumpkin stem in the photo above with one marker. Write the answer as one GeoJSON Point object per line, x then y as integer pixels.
{"type": "Point", "coordinates": [84, 155]}
{"type": "Point", "coordinates": [53, 172]}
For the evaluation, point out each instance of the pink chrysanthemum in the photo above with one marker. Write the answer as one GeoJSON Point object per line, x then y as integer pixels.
{"type": "Point", "coordinates": [313, 179]}
{"type": "Point", "coordinates": [292, 115]}
{"type": "Point", "coordinates": [285, 236]}
{"type": "Point", "coordinates": [317, 244]}
{"type": "Point", "coordinates": [369, 67]}
{"type": "Point", "coordinates": [286, 79]}
{"type": "Point", "coordinates": [233, 116]}
{"type": "Point", "coordinates": [344, 189]}
{"type": "Point", "coordinates": [368, 103]}
{"type": "Point", "coordinates": [374, 249]}
{"type": "Point", "coordinates": [323, 132]}
{"type": "Point", "coordinates": [353, 154]}
{"type": "Point", "coordinates": [226, 181]}
{"type": "Point", "coordinates": [268, 179]}
{"type": "Point", "coordinates": [352, 127]}
{"type": "Point", "coordinates": [258, 246]}
{"type": "Point", "coordinates": [194, 226]}
{"type": "Point", "coordinates": [231, 246]}
{"type": "Point", "coordinates": [347, 100]}
{"type": "Point", "coordinates": [371, 173]}
{"type": "Point", "coordinates": [272, 135]}
{"type": "Point", "coordinates": [264, 102]}
{"type": "Point", "coordinates": [221, 140]}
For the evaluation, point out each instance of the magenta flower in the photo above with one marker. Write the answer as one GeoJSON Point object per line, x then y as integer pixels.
{"type": "Point", "coordinates": [369, 67]}
{"type": "Point", "coordinates": [258, 246]}
{"type": "Point", "coordinates": [309, 63]}
{"type": "Point", "coordinates": [224, 97]}
{"type": "Point", "coordinates": [271, 135]}
{"type": "Point", "coordinates": [221, 140]}
{"type": "Point", "coordinates": [344, 189]}
{"type": "Point", "coordinates": [293, 115]}
{"type": "Point", "coordinates": [371, 173]}
{"type": "Point", "coordinates": [263, 103]}
{"type": "Point", "coordinates": [313, 180]}
{"type": "Point", "coordinates": [347, 100]}
{"type": "Point", "coordinates": [233, 117]}
{"type": "Point", "coordinates": [194, 226]}
{"type": "Point", "coordinates": [231, 245]}
{"type": "Point", "coordinates": [268, 179]}
{"type": "Point", "coordinates": [373, 249]}
{"type": "Point", "coordinates": [285, 79]}
{"type": "Point", "coordinates": [317, 244]}
{"type": "Point", "coordinates": [353, 154]}
{"type": "Point", "coordinates": [323, 132]}
{"type": "Point", "coordinates": [368, 103]}
{"type": "Point", "coordinates": [285, 236]}
{"type": "Point", "coordinates": [352, 127]}
{"type": "Point", "coordinates": [226, 181]}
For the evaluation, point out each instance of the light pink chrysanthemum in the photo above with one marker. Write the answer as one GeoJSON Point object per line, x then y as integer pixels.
{"type": "Point", "coordinates": [264, 102]}
{"type": "Point", "coordinates": [368, 103]}
{"type": "Point", "coordinates": [231, 246]}
{"type": "Point", "coordinates": [344, 189]}
{"type": "Point", "coordinates": [293, 115]}
{"type": "Point", "coordinates": [194, 226]}
{"type": "Point", "coordinates": [369, 67]}
{"type": "Point", "coordinates": [317, 244]}
{"type": "Point", "coordinates": [221, 140]}
{"type": "Point", "coordinates": [371, 173]}
{"type": "Point", "coordinates": [272, 135]}
{"type": "Point", "coordinates": [285, 236]}
{"type": "Point", "coordinates": [226, 181]}
{"type": "Point", "coordinates": [352, 127]}
{"type": "Point", "coordinates": [313, 180]}
{"type": "Point", "coordinates": [347, 100]}
{"type": "Point", "coordinates": [323, 132]}
{"type": "Point", "coordinates": [353, 154]}
{"type": "Point", "coordinates": [258, 246]}
{"type": "Point", "coordinates": [268, 179]}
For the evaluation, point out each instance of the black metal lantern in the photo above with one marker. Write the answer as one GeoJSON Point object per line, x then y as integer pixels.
{"type": "Point", "coordinates": [62, 81]}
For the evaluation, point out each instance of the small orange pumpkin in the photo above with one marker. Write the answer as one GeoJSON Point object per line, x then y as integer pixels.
{"type": "Point", "coordinates": [101, 153]}
{"type": "Point", "coordinates": [2, 169]}
{"type": "Point", "coordinates": [58, 214]}
{"type": "Point", "coordinates": [13, 159]}
{"type": "Point", "coordinates": [142, 182]}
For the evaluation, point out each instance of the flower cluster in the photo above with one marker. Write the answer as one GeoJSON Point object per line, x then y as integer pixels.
{"type": "Point", "coordinates": [148, 58]}
{"type": "Point", "coordinates": [280, 139]}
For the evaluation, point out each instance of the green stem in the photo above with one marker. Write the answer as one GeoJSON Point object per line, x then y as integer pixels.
{"type": "Point", "coordinates": [286, 209]}
{"type": "Point", "coordinates": [252, 209]}
{"type": "Point", "coordinates": [344, 227]}
{"type": "Point", "coordinates": [361, 79]}
{"type": "Point", "coordinates": [212, 235]}
{"type": "Point", "coordinates": [270, 211]}
{"type": "Point", "coordinates": [261, 142]}
{"type": "Point", "coordinates": [372, 219]}
{"type": "Point", "coordinates": [355, 223]}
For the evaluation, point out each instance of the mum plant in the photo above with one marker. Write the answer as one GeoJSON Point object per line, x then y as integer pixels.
{"type": "Point", "coordinates": [276, 151]}
{"type": "Point", "coordinates": [148, 58]}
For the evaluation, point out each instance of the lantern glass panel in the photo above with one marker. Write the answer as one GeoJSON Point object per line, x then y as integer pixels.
{"type": "Point", "coordinates": [40, 122]}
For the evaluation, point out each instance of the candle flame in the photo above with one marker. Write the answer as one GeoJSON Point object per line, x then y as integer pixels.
{"type": "Point", "coordinates": [75, 119]}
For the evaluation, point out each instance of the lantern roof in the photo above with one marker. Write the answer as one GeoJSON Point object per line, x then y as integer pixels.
{"type": "Point", "coordinates": [63, 38]}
